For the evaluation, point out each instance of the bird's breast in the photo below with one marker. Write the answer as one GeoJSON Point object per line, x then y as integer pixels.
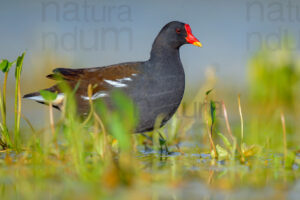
{"type": "Point", "coordinates": [158, 93]}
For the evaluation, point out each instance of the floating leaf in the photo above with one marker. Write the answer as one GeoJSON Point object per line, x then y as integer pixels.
{"type": "Point", "coordinates": [48, 96]}
{"type": "Point", "coordinates": [222, 153]}
{"type": "Point", "coordinates": [249, 151]}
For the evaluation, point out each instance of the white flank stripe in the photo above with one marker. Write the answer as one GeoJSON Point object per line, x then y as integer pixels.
{"type": "Point", "coordinates": [124, 79]}
{"type": "Point", "coordinates": [95, 96]}
{"type": "Point", "coordinates": [115, 83]}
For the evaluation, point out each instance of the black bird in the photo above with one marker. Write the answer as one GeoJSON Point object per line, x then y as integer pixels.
{"type": "Point", "coordinates": [156, 86]}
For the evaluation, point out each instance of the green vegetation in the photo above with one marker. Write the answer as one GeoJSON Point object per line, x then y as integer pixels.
{"type": "Point", "coordinates": [215, 152]}
{"type": "Point", "coordinates": [5, 66]}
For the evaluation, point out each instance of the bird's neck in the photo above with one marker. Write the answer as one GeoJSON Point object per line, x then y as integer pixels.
{"type": "Point", "coordinates": [163, 51]}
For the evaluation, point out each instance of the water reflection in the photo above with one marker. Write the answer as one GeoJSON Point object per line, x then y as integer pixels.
{"type": "Point", "coordinates": [197, 176]}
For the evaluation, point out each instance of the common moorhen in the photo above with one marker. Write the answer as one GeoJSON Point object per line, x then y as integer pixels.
{"type": "Point", "coordinates": [156, 86]}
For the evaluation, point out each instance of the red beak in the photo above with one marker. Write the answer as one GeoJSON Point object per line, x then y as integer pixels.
{"type": "Point", "coordinates": [190, 37]}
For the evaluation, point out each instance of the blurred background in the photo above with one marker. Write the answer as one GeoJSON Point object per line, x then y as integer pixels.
{"type": "Point", "coordinates": [250, 50]}
{"type": "Point", "coordinates": [243, 42]}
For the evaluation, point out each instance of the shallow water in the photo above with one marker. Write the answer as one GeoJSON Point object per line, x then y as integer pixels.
{"type": "Point", "coordinates": [189, 174]}
{"type": "Point", "coordinates": [198, 176]}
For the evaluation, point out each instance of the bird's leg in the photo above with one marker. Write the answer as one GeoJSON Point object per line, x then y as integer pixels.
{"type": "Point", "coordinates": [147, 136]}
{"type": "Point", "coordinates": [163, 142]}
{"type": "Point", "coordinates": [149, 141]}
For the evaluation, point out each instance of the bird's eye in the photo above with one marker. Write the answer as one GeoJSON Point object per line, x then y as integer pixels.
{"type": "Point", "coordinates": [178, 30]}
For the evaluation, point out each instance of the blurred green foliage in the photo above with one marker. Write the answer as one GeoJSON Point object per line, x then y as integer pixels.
{"type": "Point", "coordinates": [274, 81]}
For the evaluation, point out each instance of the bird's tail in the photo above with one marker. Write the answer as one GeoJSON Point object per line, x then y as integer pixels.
{"type": "Point", "coordinates": [36, 96]}
{"type": "Point", "coordinates": [32, 96]}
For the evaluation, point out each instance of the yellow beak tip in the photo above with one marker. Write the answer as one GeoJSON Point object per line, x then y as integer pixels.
{"type": "Point", "coordinates": [198, 44]}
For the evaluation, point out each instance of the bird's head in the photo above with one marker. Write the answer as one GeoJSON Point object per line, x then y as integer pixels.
{"type": "Point", "coordinates": [177, 34]}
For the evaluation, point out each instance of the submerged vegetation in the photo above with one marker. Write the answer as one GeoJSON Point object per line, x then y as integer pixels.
{"type": "Point", "coordinates": [209, 156]}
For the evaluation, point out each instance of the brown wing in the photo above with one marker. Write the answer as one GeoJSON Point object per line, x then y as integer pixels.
{"type": "Point", "coordinates": [112, 72]}
{"type": "Point", "coordinates": [102, 79]}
